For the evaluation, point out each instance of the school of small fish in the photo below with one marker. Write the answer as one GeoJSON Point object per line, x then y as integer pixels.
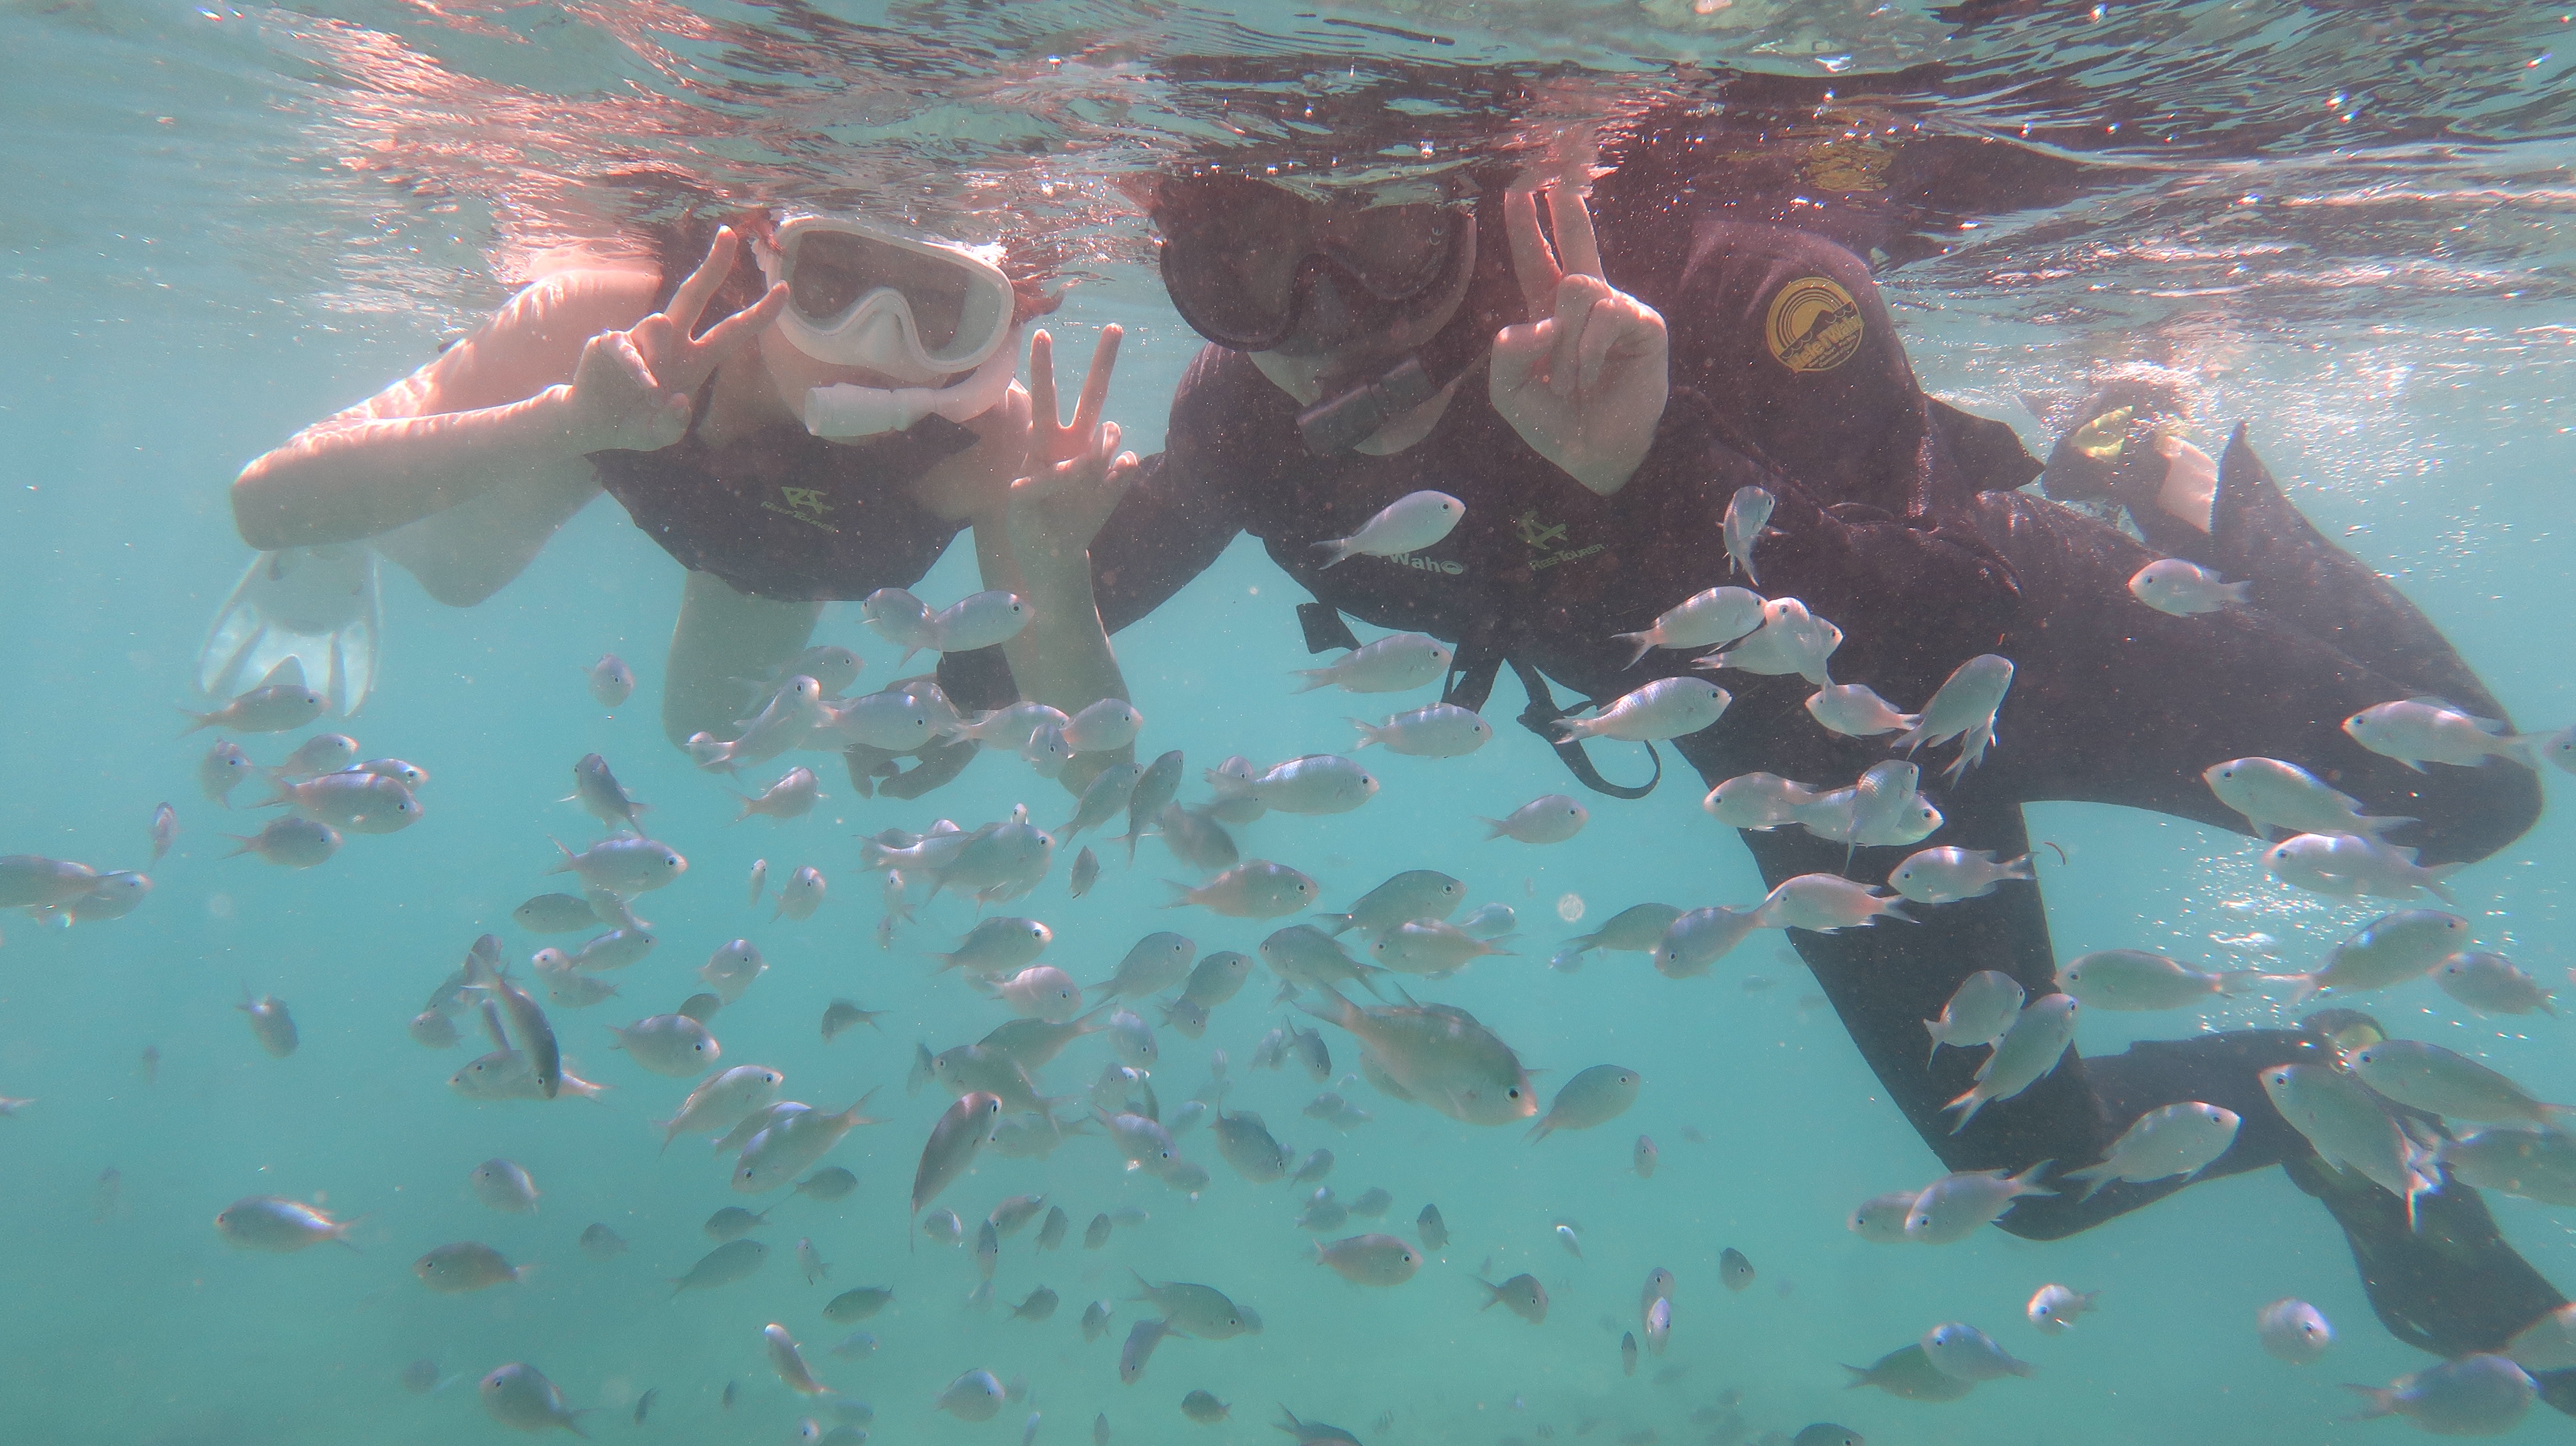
{"type": "Point", "coordinates": [1046, 987]}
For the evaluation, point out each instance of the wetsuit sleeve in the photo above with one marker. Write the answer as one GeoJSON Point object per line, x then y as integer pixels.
{"type": "Point", "coordinates": [2114, 702]}
{"type": "Point", "coordinates": [2318, 589]}
{"type": "Point", "coordinates": [1169, 528]}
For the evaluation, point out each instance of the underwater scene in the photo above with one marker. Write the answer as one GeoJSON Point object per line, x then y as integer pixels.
{"type": "Point", "coordinates": [1432, 721]}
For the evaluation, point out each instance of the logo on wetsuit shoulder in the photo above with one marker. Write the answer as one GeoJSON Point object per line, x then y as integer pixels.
{"type": "Point", "coordinates": [802, 503]}
{"type": "Point", "coordinates": [1540, 534]}
{"type": "Point", "coordinates": [1813, 325]}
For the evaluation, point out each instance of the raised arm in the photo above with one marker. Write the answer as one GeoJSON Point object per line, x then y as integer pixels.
{"type": "Point", "coordinates": [491, 411]}
{"type": "Point", "coordinates": [492, 437]}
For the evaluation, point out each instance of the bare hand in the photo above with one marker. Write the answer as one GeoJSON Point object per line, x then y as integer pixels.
{"type": "Point", "coordinates": [1077, 474]}
{"type": "Point", "coordinates": [633, 390]}
{"type": "Point", "coordinates": [1586, 383]}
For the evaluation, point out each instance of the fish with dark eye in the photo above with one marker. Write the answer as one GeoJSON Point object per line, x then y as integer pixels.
{"type": "Point", "coordinates": [954, 1139]}
{"type": "Point", "coordinates": [1433, 1229]}
{"type": "Point", "coordinates": [1522, 1295]}
{"type": "Point", "coordinates": [292, 842]}
{"type": "Point", "coordinates": [278, 1226]}
{"type": "Point", "coordinates": [519, 1395]}
{"type": "Point", "coordinates": [1141, 1340]}
{"type": "Point", "coordinates": [1595, 1096]}
{"type": "Point", "coordinates": [222, 770]}
{"type": "Point", "coordinates": [1379, 1260]}
{"type": "Point", "coordinates": [723, 1265]}
{"type": "Point", "coordinates": [842, 1014]}
{"type": "Point", "coordinates": [505, 1186]}
{"type": "Point", "coordinates": [732, 1223]}
{"type": "Point", "coordinates": [827, 1184]}
{"type": "Point", "coordinates": [270, 1023]}
{"type": "Point", "coordinates": [611, 682]}
{"type": "Point", "coordinates": [1040, 1305]}
{"type": "Point", "coordinates": [464, 1268]}
{"type": "Point", "coordinates": [854, 1305]}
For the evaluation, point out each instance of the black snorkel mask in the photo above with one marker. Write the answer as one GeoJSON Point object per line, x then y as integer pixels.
{"type": "Point", "coordinates": [1252, 267]}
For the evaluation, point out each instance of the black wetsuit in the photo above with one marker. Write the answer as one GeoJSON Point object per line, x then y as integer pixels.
{"type": "Point", "coordinates": [1896, 520]}
{"type": "Point", "coordinates": [780, 513]}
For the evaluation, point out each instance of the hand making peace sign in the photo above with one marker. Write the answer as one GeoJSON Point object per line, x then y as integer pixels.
{"type": "Point", "coordinates": [1585, 383]}
{"type": "Point", "coordinates": [633, 390]}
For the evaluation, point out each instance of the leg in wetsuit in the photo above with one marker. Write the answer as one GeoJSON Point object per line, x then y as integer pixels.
{"type": "Point", "coordinates": [2113, 702]}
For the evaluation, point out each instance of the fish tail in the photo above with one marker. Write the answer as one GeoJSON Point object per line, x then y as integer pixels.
{"type": "Point", "coordinates": [1369, 733]}
{"type": "Point", "coordinates": [1334, 552]}
{"type": "Point", "coordinates": [1494, 827]}
{"type": "Point", "coordinates": [1932, 1027]}
{"type": "Point", "coordinates": [2435, 882]}
{"type": "Point", "coordinates": [2020, 868]}
{"type": "Point", "coordinates": [1537, 1132]}
{"type": "Point", "coordinates": [1314, 678]}
{"type": "Point", "coordinates": [2239, 593]}
{"type": "Point", "coordinates": [1568, 729]}
{"type": "Point", "coordinates": [2027, 1182]}
{"type": "Point", "coordinates": [2093, 1176]}
{"type": "Point", "coordinates": [1644, 643]}
{"type": "Point", "coordinates": [1974, 1100]}
{"type": "Point", "coordinates": [1860, 1377]}
{"type": "Point", "coordinates": [2383, 1401]}
{"type": "Point", "coordinates": [1184, 891]}
{"type": "Point", "coordinates": [2378, 824]}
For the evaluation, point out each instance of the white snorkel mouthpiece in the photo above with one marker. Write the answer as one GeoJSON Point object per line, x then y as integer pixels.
{"type": "Point", "coordinates": [847, 412]}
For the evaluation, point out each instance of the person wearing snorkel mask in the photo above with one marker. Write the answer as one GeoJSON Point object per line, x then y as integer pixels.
{"type": "Point", "coordinates": [810, 413]}
{"type": "Point", "coordinates": [1597, 403]}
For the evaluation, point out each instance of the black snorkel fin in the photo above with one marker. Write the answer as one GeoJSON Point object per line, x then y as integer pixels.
{"type": "Point", "coordinates": [1337, 425]}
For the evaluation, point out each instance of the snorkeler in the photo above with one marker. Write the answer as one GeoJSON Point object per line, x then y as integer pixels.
{"type": "Point", "coordinates": [848, 410]}
{"type": "Point", "coordinates": [1366, 346]}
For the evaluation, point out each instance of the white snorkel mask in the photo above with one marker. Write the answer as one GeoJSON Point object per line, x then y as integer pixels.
{"type": "Point", "coordinates": [921, 311]}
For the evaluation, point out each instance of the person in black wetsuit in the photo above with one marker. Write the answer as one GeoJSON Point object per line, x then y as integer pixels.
{"type": "Point", "coordinates": [813, 416]}
{"type": "Point", "coordinates": [1359, 352]}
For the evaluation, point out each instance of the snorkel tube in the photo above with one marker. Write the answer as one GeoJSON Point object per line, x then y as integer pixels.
{"type": "Point", "coordinates": [1358, 408]}
{"type": "Point", "coordinates": [847, 412]}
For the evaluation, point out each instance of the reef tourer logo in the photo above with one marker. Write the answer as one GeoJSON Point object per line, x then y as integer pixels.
{"type": "Point", "coordinates": [1813, 325]}
{"type": "Point", "coordinates": [802, 503]}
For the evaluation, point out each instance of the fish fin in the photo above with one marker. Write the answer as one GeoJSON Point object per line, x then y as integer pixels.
{"type": "Point", "coordinates": [1860, 1377]}
{"type": "Point", "coordinates": [2434, 882]}
{"type": "Point", "coordinates": [2383, 1401]}
{"type": "Point", "coordinates": [1368, 733]}
{"type": "Point", "coordinates": [1643, 642]}
{"type": "Point", "coordinates": [1334, 552]}
{"type": "Point", "coordinates": [2235, 983]}
{"type": "Point", "coordinates": [2027, 1182]}
{"type": "Point", "coordinates": [2019, 868]}
{"type": "Point", "coordinates": [2377, 824]}
{"type": "Point", "coordinates": [2093, 1176]}
{"type": "Point", "coordinates": [1974, 1099]}
{"type": "Point", "coordinates": [1537, 1132]}
{"type": "Point", "coordinates": [2239, 593]}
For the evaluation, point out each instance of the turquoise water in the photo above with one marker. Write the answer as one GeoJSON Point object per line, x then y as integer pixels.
{"type": "Point", "coordinates": [224, 224]}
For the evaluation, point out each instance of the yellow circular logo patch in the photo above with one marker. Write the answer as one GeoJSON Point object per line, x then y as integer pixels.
{"type": "Point", "coordinates": [1813, 326]}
